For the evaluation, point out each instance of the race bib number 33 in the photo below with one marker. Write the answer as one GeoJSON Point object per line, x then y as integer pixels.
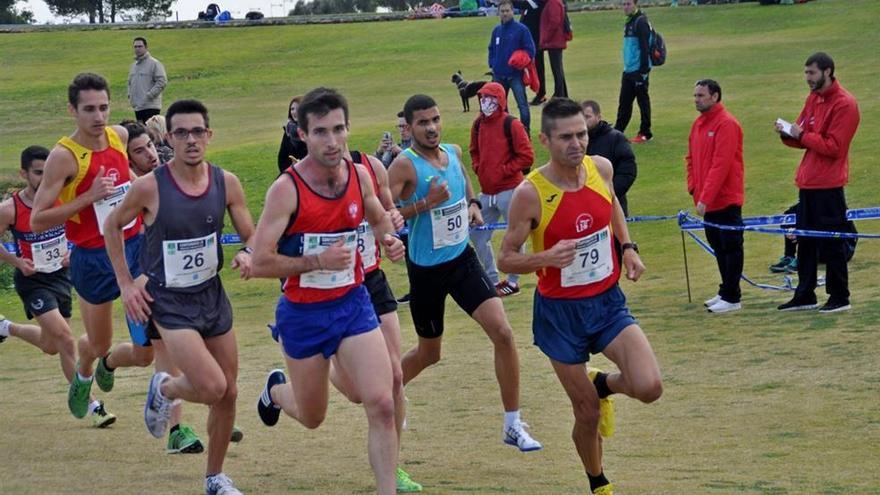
{"type": "Point", "coordinates": [48, 255]}
{"type": "Point", "coordinates": [190, 262]}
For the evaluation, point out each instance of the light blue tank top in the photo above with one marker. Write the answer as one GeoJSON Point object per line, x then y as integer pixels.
{"type": "Point", "coordinates": [441, 234]}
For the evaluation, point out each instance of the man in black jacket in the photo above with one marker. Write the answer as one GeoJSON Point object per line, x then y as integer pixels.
{"type": "Point", "coordinates": [610, 143]}
{"type": "Point", "coordinates": [531, 17]}
{"type": "Point", "coordinates": [636, 67]}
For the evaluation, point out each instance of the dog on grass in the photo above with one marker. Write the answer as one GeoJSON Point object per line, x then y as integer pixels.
{"type": "Point", "coordinates": [466, 90]}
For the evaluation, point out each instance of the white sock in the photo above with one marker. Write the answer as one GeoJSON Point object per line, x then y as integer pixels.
{"type": "Point", "coordinates": [511, 418]}
{"type": "Point", "coordinates": [94, 405]}
{"type": "Point", "coordinates": [4, 327]}
{"type": "Point", "coordinates": [83, 378]}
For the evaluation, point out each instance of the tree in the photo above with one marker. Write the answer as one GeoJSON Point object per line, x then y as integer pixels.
{"type": "Point", "coordinates": [11, 15]}
{"type": "Point", "coordinates": [102, 10]}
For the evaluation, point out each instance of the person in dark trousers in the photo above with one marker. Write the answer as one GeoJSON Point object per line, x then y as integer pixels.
{"type": "Point", "coordinates": [715, 177]}
{"type": "Point", "coordinates": [610, 143]}
{"type": "Point", "coordinates": [554, 37]}
{"type": "Point", "coordinates": [291, 144]}
{"type": "Point", "coordinates": [636, 67]}
{"type": "Point", "coordinates": [825, 129]}
{"type": "Point", "coordinates": [507, 37]}
{"type": "Point", "coordinates": [531, 17]}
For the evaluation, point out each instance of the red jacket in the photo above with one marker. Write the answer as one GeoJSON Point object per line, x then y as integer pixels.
{"type": "Point", "coordinates": [496, 167]}
{"type": "Point", "coordinates": [553, 35]}
{"type": "Point", "coordinates": [715, 171]}
{"type": "Point", "coordinates": [829, 121]}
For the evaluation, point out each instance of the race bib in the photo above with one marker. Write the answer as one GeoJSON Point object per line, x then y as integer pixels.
{"type": "Point", "coordinates": [190, 262]}
{"type": "Point", "coordinates": [103, 207]}
{"type": "Point", "coordinates": [366, 245]}
{"type": "Point", "coordinates": [593, 261]}
{"type": "Point", "coordinates": [314, 244]}
{"type": "Point", "coordinates": [449, 224]}
{"type": "Point", "coordinates": [49, 254]}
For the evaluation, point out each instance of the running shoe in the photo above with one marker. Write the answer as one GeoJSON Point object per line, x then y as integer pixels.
{"type": "Point", "coordinates": [237, 435]}
{"type": "Point", "coordinates": [101, 418]}
{"type": "Point", "coordinates": [404, 299]}
{"type": "Point", "coordinates": [505, 289]}
{"type": "Point", "coordinates": [517, 436]}
{"type": "Point", "coordinates": [723, 306]}
{"type": "Point", "coordinates": [606, 408]}
{"type": "Point", "coordinates": [4, 328]}
{"type": "Point", "coordinates": [781, 265]}
{"type": "Point", "coordinates": [184, 440]}
{"type": "Point", "coordinates": [103, 376]}
{"type": "Point", "coordinates": [268, 410]}
{"type": "Point", "coordinates": [405, 484]}
{"type": "Point", "coordinates": [792, 267]}
{"type": "Point", "coordinates": [157, 410]}
{"type": "Point", "coordinates": [220, 484]}
{"type": "Point", "coordinates": [710, 302]}
{"type": "Point", "coordinates": [603, 490]}
{"type": "Point", "coordinates": [798, 304]}
{"type": "Point", "coordinates": [835, 305]}
{"type": "Point", "coordinates": [640, 139]}
{"type": "Point", "coordinates": [78, 395]}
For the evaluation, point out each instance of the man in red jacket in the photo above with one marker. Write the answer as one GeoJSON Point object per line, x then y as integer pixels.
{"type": "Point", "coordinates": [715, 179]}
{"type": "Point", "coordinates": [500, 150]}
{"type": "Point", "coordinates": [825, 128]}
{"type": "Point", "coordinates": [555, 34]}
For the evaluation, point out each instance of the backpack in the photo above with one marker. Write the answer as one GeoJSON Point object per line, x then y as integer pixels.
{"type": "Point", "coordinates": [508, 121]}
{"type": "Point", "coordinates": [656, 46]}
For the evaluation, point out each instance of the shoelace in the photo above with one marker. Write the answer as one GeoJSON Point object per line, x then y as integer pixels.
{"type": "Point", "coordinates": [220, 481]}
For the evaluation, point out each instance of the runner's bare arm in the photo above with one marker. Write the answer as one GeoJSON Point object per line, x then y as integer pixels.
{"type": "Point", "coordinates": [632, 262]}
{"type": "Point", "coordinates": [402, 184]}
{"type": "Point", "coordinates": [241, 221]}
{"type": "Point", "coordinates": [7, 218]}
{"type": "Point", "coordinates": [384, 193]}
{"type": "Point", "coordinates": [60, 169]}
{"type": "Point", "coordinates": [379, 219]}
{"type": "Point", "coordinates": [475, 215]}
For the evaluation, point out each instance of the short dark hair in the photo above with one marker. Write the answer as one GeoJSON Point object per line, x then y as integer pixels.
{"type": "Point", "coordinates": [592, 105]}
{"type": "Point", "coordinates": [186, 106]}
{"type": "Point", "coordinates": [140, 38]}
{"type": "Point", "coordinates": [416, 103]}
{"type": "Point", "coordinates": [505, 2]}
{"type": "Point", "coordinates": [32, 153]}
{"type": "Point", "coordinates": [710, 84]}
{"type": "Point", "coordinates": [83, 82]}
{"type": "Point", "coordinates": [400, 114]}
{"type": "Point", "coordinates": [558, 108]}
{"type": "Point", "coordinates": [822, 60]}
{"type": "Point", "coordinates": [135, 130]}
{"type": "Point", "coordinates": [319, 102]}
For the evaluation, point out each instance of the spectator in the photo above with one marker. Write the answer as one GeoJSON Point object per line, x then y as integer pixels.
{"type": "Point", "coordinates": [555, 34]}
{"type": "Point", "coordinates": [610, 143]}
{"type": "Point", "coordinates": [146, 81]}
{"type": "Point", "coordinates": [500, 150]}
{"type": "Point", "coordinates": [636, 67]}
{"type": "Point", "coordinates": [387, 151]}
{"type": "Point", "coordinates": [158, 133]}
{"type": "Point", "coordinates": [825, 129]}
{"type": "Point", "coordinates": [531, 18]}
{"type": "Point", "coordinates": [508, 37]}
{"type": "Point", "coordinates": [715, 176]}
{"type": "Point", "coordinates": [292, 147]}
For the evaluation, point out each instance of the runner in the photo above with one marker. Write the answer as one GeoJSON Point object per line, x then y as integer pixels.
{"type": "Point", "coordinates": [439, 205]}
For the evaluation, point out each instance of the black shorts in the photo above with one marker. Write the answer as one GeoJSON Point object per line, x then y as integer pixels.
{"type": "Point", "coordinates": [43, 292]}
{"type": "Point", "coordinates": [380, 292]}
{"type": "Point", "coordinates": [207, 311]}
{"type": "Point", "coordinates": [463, 278]}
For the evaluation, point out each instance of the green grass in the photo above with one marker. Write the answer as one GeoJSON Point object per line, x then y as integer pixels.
{"type": "Point", "coordinates": [755, 402]}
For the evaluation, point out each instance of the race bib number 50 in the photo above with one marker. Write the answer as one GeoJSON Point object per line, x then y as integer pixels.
{"type": "Point", "coordinates": [449, 224]}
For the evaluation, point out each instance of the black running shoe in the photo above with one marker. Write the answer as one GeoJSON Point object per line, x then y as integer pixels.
{"type": "Point", "coordinates": [269, 411]}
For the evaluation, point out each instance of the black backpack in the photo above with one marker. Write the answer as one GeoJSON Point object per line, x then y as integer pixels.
{"type": "Point", "coordinates": [508, 121]}
{"type": "Point", "coordinates": [656, 46]}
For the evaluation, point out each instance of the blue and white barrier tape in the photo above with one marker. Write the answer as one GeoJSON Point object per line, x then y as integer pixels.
{"type": "Point", "coordinates": [689, 222]}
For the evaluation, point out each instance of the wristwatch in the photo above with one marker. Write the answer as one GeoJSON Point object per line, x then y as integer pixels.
{"type": "Point", "coordinates": [629, 245]}
{"type": "Point", "coordinates": [247, 250]}
{"type": "Point", "coordinates": [475, 201]}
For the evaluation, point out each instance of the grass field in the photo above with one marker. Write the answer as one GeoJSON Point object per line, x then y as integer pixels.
{"type": "Point", "coordinates": [755, 402]}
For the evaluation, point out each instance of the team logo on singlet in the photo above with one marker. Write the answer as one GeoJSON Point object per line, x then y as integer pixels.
{"type": "Point", "coordinates": [113, 174]}
{"type": "Point", "coordinates": [583, 222]}
{"type": "Point", "coordinates": [353, 209]}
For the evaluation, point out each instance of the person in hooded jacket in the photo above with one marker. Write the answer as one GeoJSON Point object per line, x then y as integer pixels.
{"type": "Point", "coordinates": [608, 142]}
{"type": "Point", "coordinates": [500, 151]}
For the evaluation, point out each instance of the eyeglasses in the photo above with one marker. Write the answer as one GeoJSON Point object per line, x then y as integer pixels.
{"type": "Point", "coordinates": [183, 134]}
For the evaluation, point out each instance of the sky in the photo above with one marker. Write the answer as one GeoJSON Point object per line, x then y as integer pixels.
{"type": "Point", "coordinates": [185, 9]}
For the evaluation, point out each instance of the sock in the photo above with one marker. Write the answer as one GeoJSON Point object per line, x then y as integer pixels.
{"type": "Point", "coordinates": [511, 418]}
{"type": "Point", "coordinates": [104, 360]}
{"type": "Point", "coordinates": [597, 481]}
{"type": "Point", "coordinates": [83, 378]}
{"type": "Point", "coordinates": [601, 383]}
{"type": "Point", "coordinates": [94, 405]}
{"type": "Point", "coordinates": [173, 429]}
{"type": "Point", "coordinates": [4, 327]}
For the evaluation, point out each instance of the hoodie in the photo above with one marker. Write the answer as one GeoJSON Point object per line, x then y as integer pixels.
{"type": "Point", "coordinates": [498, 165]}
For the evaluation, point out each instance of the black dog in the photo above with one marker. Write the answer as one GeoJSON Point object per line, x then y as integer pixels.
{"type": "Point", "coordinates": [466, 90]}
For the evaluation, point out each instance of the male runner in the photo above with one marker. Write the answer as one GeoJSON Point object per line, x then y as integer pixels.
{"type": "Point", "coordinates": [440, 206]}
{"type": "Point", "coordinates": [308, 233]}
{"type": "Point", "coordinates": [183, 204]}
{"type": "Point", "coordinates": [41, 278]}
{"type": "Point", "coordinates": [569, 209]}
{"type": "Point", "coordinates": [86, 176]}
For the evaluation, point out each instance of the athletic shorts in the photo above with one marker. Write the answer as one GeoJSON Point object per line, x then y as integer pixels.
{"type": "Point", "coordinates": [43, 292]}
{"type": "Point", "coordinates": [142, 333]}
{"type": "Point", "coordinates": [206, 311]}
{"type": "Point", "coordinates": [92, 274]}
{"type": "Point", "coordinates": [569, 330]}
{"type": "Point", "coordinates": [463, 278]}
{"type": "Point", "coordinates": [307, 329]}
{"type": "Point", "coordinates": [380, 292]}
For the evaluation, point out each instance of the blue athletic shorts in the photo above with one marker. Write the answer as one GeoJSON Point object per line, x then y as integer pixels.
{"type": "Point", "coordinates": [92, 274]}
{"type": "Point", "coordinates": [569, 330]}
{"type": "Point", "coordinates": [308, 329]}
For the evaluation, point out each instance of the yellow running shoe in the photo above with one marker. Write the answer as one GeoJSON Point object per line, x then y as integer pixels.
{"type": "Point", "coordinates": [606, 411]}
{"type": "Point", "coordinates": [603, 490]}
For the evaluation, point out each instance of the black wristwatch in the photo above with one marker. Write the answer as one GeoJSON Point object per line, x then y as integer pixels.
{"type": "Point", "coordinates": [629, 245]}
{"type": "Point", "coordinates": [247, 250]}
{"type": "Point", "coordinates": [475, 201]}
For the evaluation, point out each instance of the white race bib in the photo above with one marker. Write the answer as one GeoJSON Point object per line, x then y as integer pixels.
{"type": "Point", "coordinates": [190, 262]}
{"type": "Point", "coordinates": [449, 224]}
{"type": "Point", "coordinates": [314, 244]}
{"type": "Point", "coordinates": [49, 254]}
{"type": "Point", "coordinates": [366, 245]}
{"type": "Point", "coordinates": [103, 207]}
{"type": "Point", "coordinates": [593, 261]}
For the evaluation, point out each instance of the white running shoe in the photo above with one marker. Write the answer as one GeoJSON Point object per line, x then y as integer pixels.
{"type": "Point", "coordinates": [711, 302]}
{"type": "Point", "coordinates": [157, 410]}
{"type": "Point", "coordinates": [220, 484]}
{"type": "Point", "coordinates": [517, 436]}
{"type": "Point", "coordinates": [723, 306]}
